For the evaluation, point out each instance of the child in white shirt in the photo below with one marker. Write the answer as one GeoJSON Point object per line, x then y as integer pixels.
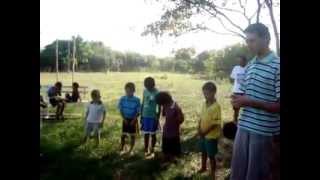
{"type": "Point", "coordinates": [95, 116]}
{"type": "Point", "coordinates": [237, 76]}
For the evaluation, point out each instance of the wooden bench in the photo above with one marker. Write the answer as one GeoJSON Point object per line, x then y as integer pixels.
{"type": "Point", "coordinates": [83, 90]}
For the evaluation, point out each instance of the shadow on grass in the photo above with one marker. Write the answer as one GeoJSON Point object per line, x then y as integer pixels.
{"type": "Point", "coordinates": [68, 163]}
{"type": "Point", "coordinates": [190, 145]}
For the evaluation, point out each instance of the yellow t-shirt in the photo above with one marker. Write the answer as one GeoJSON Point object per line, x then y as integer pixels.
{"type": "Point", "coordinates": [210, 116]}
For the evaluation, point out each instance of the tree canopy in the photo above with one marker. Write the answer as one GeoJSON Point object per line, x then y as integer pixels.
{"type": "Point", "coordinates": [94, 56]}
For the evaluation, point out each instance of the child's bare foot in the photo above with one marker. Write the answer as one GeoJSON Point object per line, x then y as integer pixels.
{"type": "Point", "coordinates": [122, 152]}
{"type": "Point", "coordinates": [202, 170]}
{"type": "Point", "coordinates": [131, 153]}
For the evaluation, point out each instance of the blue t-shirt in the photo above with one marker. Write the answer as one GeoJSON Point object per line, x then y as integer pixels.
{"type": "Point", "coordinates": [53, 92]}
{"type": "Point", "coordinates": [129, 106]}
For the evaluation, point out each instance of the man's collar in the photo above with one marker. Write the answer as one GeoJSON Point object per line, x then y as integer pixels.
{"type": "Point", "coordinates": [271, 56]}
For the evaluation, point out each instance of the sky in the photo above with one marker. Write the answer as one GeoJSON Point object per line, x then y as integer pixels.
{"type": "Point", "coordinates": [119, 24]}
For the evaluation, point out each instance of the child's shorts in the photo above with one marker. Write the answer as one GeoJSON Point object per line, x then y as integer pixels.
{"type": "Point", "coordinates": [53, 102]}
{"type": "Point", "coordinates": [149, 125]}
{"type": "Point", "coordinates": [171, 146]}
{"type": "Point", "coordinates": [129, 129]}
{"type": "Point", "coordinates": [209, 146]}
{"type": "Point", "coordinates": [94, 128]}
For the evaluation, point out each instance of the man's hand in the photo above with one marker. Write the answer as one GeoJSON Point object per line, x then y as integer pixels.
{"type": "Point", "coordinates": [238, 101]}
{"type": "Point", "coordinates": [243, 100]}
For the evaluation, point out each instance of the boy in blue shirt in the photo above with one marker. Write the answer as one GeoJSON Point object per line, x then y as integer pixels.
{"type": "Point", "coordinates": [129, 107]}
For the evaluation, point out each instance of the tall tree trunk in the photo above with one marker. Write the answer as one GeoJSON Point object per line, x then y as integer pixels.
{"type": "Point", "coordinates": [275, 30]}
{"type": "Point", "coordinates": [69, 57]}
{"type": "Point", "coordinates": [74, 59]}
{"type": "Point", "coordinates": [57, 60]}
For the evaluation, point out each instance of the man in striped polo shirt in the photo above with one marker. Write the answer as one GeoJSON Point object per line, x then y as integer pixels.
{"type": "Point", "coordinates": [259, 121]}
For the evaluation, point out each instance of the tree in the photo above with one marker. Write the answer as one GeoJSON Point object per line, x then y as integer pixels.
{"type": "Point", "coordinates": [183, 58]}
{"type": "Point", "coordinates": [180, 16]}
{"type": "Point", "coordinates": [220, 62]}
{"type": "Point", "coordinates": [198, 62]}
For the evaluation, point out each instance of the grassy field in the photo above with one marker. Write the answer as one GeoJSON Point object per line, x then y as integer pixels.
{"type": "Point", "coordinates": [66, 159]}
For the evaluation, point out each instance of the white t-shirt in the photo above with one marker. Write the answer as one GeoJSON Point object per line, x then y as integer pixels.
{"type": "Point", "coordinates": [237, 74]}
{"type": "Point", "coordinates": [95, 113]}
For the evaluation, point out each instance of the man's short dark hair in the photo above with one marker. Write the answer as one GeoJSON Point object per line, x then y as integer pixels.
{"type": "Point", "coordinates": [210, 86]}
{"type": "Point", "coordinates": [149, 82]}
{"type": "Point", "coordinates": [130, 85]}
{"type": "Point", "coordinates": [163, 98]}
{"type": "Point", "coordinates": [260, 29]}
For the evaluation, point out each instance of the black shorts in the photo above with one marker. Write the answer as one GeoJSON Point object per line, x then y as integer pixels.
{"type": "Point", "coordinates": [71, 99]}
{"type": "Point", "coordinates": [128, 128]}
{"type": "Point", "coordinates": [53, 102]}
{"type": "Point", "coordinates": [171, 146]}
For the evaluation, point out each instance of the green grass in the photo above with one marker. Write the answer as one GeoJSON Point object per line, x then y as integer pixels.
{"type": "Point", "coordinates": [66, 159]}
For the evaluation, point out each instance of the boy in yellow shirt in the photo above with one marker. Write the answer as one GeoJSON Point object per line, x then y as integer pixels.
{"type": "Point", "coordinates": [209, 128]}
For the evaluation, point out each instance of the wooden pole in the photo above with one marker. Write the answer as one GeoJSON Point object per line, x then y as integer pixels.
{"type": "Point", "coordinates": [69, 57]}
{"type": "Point", "coordinates": [74, 58]}
{"type": "Point", "coordinates": [57, 60]}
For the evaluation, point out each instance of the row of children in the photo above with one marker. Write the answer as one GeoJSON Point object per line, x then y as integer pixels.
{"type": "Point", "coordinates": [153, 103]}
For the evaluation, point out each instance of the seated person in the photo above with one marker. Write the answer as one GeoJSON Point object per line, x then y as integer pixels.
{"type": "Point", "coordinates": [75, 96]}
{"type": "Point", "coordinates": [54, 94]}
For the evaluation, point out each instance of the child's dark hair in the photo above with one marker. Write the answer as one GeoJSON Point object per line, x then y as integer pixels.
{"type": "Point", "coordinates": [75, 84]}
{"type": "Point", "coordinates": [242, 57]}
{"type": "Point", "coordinates": [149, 83]}
{"type": "Point", "coordinates": [58, 84]}
{"type": "Point", "coordinates": [130, 85]}
{"type": "Point", "coordinates": [229, 130]}
{"type": "Point", "coordinates": [94, 93]}
{"type": "Point", "coordinates": [210, 86]}
{"type": "Point", "coordinates": [163, 98]}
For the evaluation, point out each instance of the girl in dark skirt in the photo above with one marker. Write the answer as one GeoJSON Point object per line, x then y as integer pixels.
{"type": "Point", "coordinates": [171, 146]}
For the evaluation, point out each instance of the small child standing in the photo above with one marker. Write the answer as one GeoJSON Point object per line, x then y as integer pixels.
{"type": "Point", "coordinates": [171, 146]}
{"type": "Point", "coordinates": [75, 96]}
{"type": "Point", "coordinates": [150, 115]}
{"type": "Point", "coordinates": [237, 77]}
{"type": "Point", "coordinates": [129, 106]}
{"type": "Point", "coordinates": [209, 128]}
{"type": "Point", "coordinates": [95, 116]}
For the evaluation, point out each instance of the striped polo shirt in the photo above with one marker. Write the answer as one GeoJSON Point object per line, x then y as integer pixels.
{"type": "Point", "coordinates": [129, 106]}
{"type": "Point", "coordinates": [262, 83]}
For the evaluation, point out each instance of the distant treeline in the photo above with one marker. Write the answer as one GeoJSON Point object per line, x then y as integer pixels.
{"type": "Point", "coordinates": [93, 56]}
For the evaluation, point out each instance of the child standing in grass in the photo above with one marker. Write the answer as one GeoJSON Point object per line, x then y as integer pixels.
{"type": "Point", "coordinates": [171, 146]}
{"type": "Point", "coordinates": [209, 128]}
{"type": "Point", "coordinates": [150, 115]}
{"type": "Point", "coordinates": [95, 116]}
{"type": "Point", "coordinates": [129, 106]}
